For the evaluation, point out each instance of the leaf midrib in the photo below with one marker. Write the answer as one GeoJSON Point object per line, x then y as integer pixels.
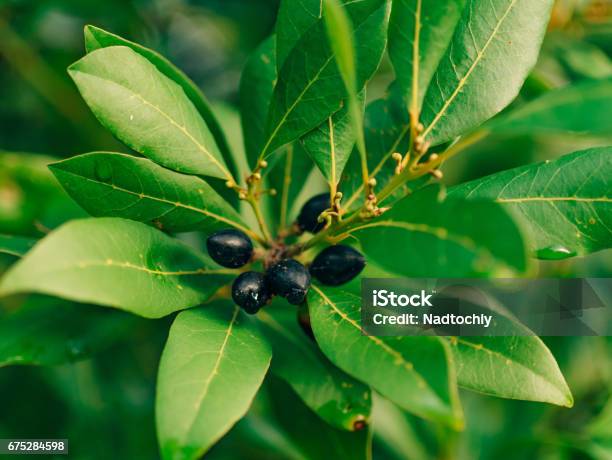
{"type": "Point", "coordinates": [439, 232]}
{"type": "Point", "coordinates": [176, 204]}
{"type": "Point", "coordinates": [603, 199]}
{"type": "Point", "coordinates": [264, 151]}
{"type": "Point", "coordinates": [131, 266]}
{"type": "Point", "coordinates": [407, 365]}
{"type": "Point", "coordinates": [173, 122]}
{"type": "Point", "coordinates": [481, 347]}
{"type": "Point", "coordinates": [211, 376]}
{"type": "Point", "coordinates": [416, 60]}
{"type": "Point", "coordinates": [462, 82]}
{"type": "Point", "coordinates": [332, 152]}
{"type": "Point", "coordinates": [283, 119]}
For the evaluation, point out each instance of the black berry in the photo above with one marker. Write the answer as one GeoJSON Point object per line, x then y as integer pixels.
{"type": "Point", "coordinates": [337, 265]}
{"type": "Point", "coordinates": [309, 214]}
{"type": "Point", "coordinates": [250, 291]}
{"type": "Point", "coordinates": [230, 248]}
{"type": "Point", "coordinates": [289, 279]}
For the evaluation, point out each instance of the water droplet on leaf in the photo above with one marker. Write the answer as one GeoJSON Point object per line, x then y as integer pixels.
{"type": "Point", "coordinates": [555, 252]}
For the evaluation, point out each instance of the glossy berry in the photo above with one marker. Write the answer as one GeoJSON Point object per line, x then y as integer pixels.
{"type": "Point", "coordinates": [309, 214]}
{"type": "Point", "coordinates": [289, 279]}
{"type": "Point", "coordinates": [250, 291]}
{"type": "Point", "coordinates": [230, 248]}
{"type": "Point", "coordinates": [337, 265]}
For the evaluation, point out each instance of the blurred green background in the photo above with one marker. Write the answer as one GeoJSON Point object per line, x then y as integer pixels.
{"type": "Point", "coordinates": [104, 404]}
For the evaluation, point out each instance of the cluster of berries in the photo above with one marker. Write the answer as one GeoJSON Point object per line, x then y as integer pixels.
{"type": "Point", "coordinates": [288, 278]}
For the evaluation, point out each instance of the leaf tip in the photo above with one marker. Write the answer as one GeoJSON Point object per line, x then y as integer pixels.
{"type": "Point", "coordinates": [569, 398]}
{"type": "Point", "coordinates": [91, 34]}
{"type": "Point", "coordinates": [72, 70]}
{"type": "Point", "coordinates": [89, 28]}
{"type": "Point", "coordinates": [53, 166]}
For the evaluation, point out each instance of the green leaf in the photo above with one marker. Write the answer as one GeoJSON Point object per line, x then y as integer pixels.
{"type": "Point", "coordinates": [341, 37]}
{"type": "Point", "coordinates": [419, 34]}
{"type": "Point", "coordinates": [116, 263]}
{"type": "Point", "coordinates": [340, 34]}
{"type": "Point", "coordinates": [414, 372]}
{"type": "Point", "coordinates": [309, 87]}
{"type": "Point", "coordinates": [119, 185]}
{"type": "Point", "coordinates": [307, 434]}
{"type": "Point", "coordinates": [15, 246]}
{"type": "Point", "coordinates": [211, 368]}
{"type": "Point", "coordinates": [147, 110]}
{"type": "Point", "coordinates": [295, 180]}
{"type": "Point", "coordinates": [432, 237]}
{"type": "Point", "coordinates": [31, 198]}
{"type": "Point", "coordinates": [510, 367]}
{"type": "Point", "coordinates": [293, 20]}
{"type": "Point", "coordinates": [47, 332]}
{"type": "Point", "coordinates": [330, 144]}
{"type": "Point", "coordinates": [580, 109]}
{"type": "Point", "coordinates": [495, 46]}
{"type": "Point", "coordinates": [386, 132]}
{"type": "Point", "coordinates": [96, 38]}
{"type": "Point", "coordinates": [336, 397]}
{"type": "Point", "coordinates": [581, 58]}
{"type": "Point", "coordinates": [395, 431]}
{"type": "Point", "coordinates": [229, 118]}
{"type": "Point", "coordinates": [601, 425]}
{"type": "Point", "coordinates": [256, 89]}
{"type": "Point", "coordinates": [564, 204]}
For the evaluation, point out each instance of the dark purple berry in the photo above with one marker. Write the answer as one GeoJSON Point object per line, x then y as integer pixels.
{"type": "Point", "coordinates": [337, 265]}
{"type": "Point", "coordinates": [309, 214]}
{"type": "Point", "coordinates": [289, 279]}
{"type": "Point", "coordinates": [230, 248]}
{"type": "Point", "coordinates": [250, 291]}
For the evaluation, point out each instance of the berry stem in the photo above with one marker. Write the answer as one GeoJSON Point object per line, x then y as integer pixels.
{"type": "Point", "coordinates": [251, 194]}
{"type": "Point", "coordinates": [342, 229]}
{"type": "Point", "coordinates": [326, 234]}
{"type": "Point", "coordinates": [416, 170]}
{"type": "Point", "coordinates": [357, 193]}
{"type": "Point", "coordinates": [284, 205]}
{"type": "Point", "coordinates": [333, 183]}
{"type": "Point", "coordinates": [253, 235]}
{"type": "Point", "coordinates": [252, 200]}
